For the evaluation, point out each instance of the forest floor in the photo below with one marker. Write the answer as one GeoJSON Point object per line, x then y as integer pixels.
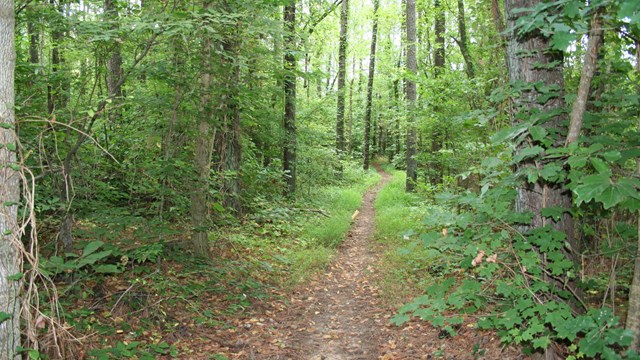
{"type": "Point", "coordinates": [341, 315]}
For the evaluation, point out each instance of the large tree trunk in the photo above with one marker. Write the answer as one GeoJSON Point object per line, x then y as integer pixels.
{"type": "Point", "coordinates": [114, 62]}
{"type": "Point", "coordinates": [531, 60]}
{"type": "Point", "coordinates": [290, 139]}
{"type": "Point", "coordinates": [10, 262]}
{"type": "Point", "coordinates": [342, 64]}
{"type": "Point", "coordinates": [633, 315]}
{"type": "Point", "coordinates": [411, 95]}
{"type": "Point", "coordinates": [372, 69]}
{"type": "Point", "coordinates": [202, 157]}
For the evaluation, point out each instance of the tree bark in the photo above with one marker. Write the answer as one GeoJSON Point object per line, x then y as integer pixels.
{"type": "Point", "coordinates": [202, 157]}
{"type": "Point", "coordinates": [531, 60]}
{"type": "Point", "coordinates": [439, 51]}
{"type": "Point", "coordinates": [372, 70]}
{"type": "Point", "coordinates": [633, 314]}
{"type": "Point", "coordinates": [588, 70]}
{"type": "Point", "coordinates": [228, 149]}
{"type": "Point", "coordinates": [411, 95]}
{"type": "Point", "coordinates": [342, 64]}
{"type": "Point", "coordinates": [10, 263]}
{"type": "Point", "coordinates": [114, 63]}
{"type": "Point", "coordinates": [462, 42]}
{"type": "Point", "coordinates": [290, 139]}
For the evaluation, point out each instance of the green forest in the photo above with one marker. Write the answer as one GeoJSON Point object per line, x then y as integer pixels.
{"type": "Point", "coordinates": [319, 179]}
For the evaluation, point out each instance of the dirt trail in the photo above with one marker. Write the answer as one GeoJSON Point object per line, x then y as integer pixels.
{"type": "Point", "coordinates": [343, 317]}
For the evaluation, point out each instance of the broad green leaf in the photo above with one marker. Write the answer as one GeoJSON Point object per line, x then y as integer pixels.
{"type": "Point", "coordinates": [92, 247]}
{"type": "Point", "coordinates": [541, 342]}
{"type": "Point", "coordinates": [552, 172]}
{"type": "Point", "coordinates": [538, 133]}
{"type": "Point", "coordinates": [400, 319]}
{"type": "Point", "coordinates": [107, 269]}
{"type": "Point", "coordinates": [600, 166]}
{"type": "Point", "coordinates": [4, 317]}
{"type": "Point", "coordinates": [611, 197]}
{"type": "Point", "coordinates": [612, 156]}
{"type": "Point", "coordinates": [554, 212]}
{"type": "Point", "coordinates": [591, 345]}
{"type": "Point", "coordinates": [508, 134]}
{"type": "Point", "coordinates": [527, 152]}
{"type": "Point", "coordinates": [93, 258]}
{"type": "Point", "coordinates": [577, 162]}
{"type": "Point", "coordinates": [592, 187]}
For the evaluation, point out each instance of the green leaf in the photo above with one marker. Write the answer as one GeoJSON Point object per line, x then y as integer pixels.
{"type": "Point", "coordinates": [107, 269]}
{"type": "Point", "coordinates": [527, 152]}
{"type": "Point", "coordinates": [552, 172]}
{"type": "Point", "coordinates": [508, 134]}
{"type": "Point", "coordinates": [592, 187]}
{"type": "Point", "coordinates": [4, 317]}
{"type": "Point", "coordinates": [577, 162]}
{"type": "Point", "coordinates": [612, 156]}
{"type": "Point", "coordinates": [591, 345]}
{"type": "Point", "coordinates": [15, 277]}
{"type": "Point", "coordinates": [562, 40]}
{"type": "Point", "coordinates": [538, 133]}
{"type": "Point", "coordinates": [5, 125]}
{"type": "Point", "coordinates": [93, 258]}
{"type": "Point", "coordinates": [400, 319]}
{"type": "Point", "coordinates": [554, 212]}
{"type": "Point", "coordinates": [541, 342]}
{"type": "Point", "coordinates": [92, 247]}
{"type": "Point", "coordinates": [600, 166]}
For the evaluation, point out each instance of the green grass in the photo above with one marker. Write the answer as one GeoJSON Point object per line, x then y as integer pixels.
{"type": "Point", "coordinates": [405, 266]}
{"type": "Point", "coordinates": [322, 234]}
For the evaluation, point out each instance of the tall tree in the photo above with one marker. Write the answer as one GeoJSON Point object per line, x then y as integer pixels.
{"type": "Point", "coordinates": [439, 50]}
{"type": "Point", "coordinates": [290, 139]}
{"type": "Point", "coordinates": [203, 149]}
{"type": "Point", "coordinates": [462, 41]}
{"type": "Point", "coordinates": [633, 314]}
{"type": "Point", "coordinates": [228, 149]}
{"type": "Point", "coordinates": [10, 241]}
{"type": "Point", "coordinates": [372, 70]}
{"type": "Point", "coordinates": [342, 64]}
{"type": "Point", "coordinates": [410, 86]}
{"type": "Point", "coordinates": [531, 60]}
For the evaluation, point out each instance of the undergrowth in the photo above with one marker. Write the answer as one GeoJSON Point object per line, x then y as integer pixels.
{"type": "Point", "coordinates": [397, 214]}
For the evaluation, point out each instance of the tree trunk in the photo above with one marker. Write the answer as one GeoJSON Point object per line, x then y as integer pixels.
{"type": "Point", "coordinates": [633, 315]}
{"type": "Point", "coordinates": [202, 157]}
{"type": "Point", "coordinates": [10, 263]}
{"type": "Point", "coordinates": [290, 139]}
{"type": "Point", "coordinates": [530, 60]}
{"type": "Point", "coordinates": [588, 70]}
{"type": "Point", "coordinates": [372, 69]}
{"type": "Point", "coordinates": [114, 63]}
{"type": "Point", "coordinates": [411, 95]}
{"type": "Point", "coordinates": [462, 42]}
{"type": "Point", "coordinates": [342, 69]}
{"type": "Point", "coordinates": [438, 54]}
{"type": "Point", "coordinates": [228, 149]}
